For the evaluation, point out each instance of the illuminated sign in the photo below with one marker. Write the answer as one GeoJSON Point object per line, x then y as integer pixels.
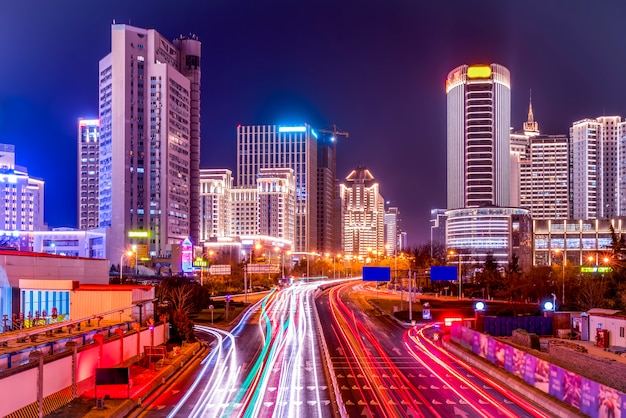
{"type": "Point", "coordinates": [479, 71]}
{"type": "Point", "coordinates": [200, 262]}
{"type": "Point", "coordinates": [292, 129]}
{"type": "Point", "coordinates": [89, 122]}
{"type": "Point", "coordinates": [596, 269]}
{"type": "Point", "coordinates": [138, 234]}
{"type": "Point", "coordinates": [314, 133]}
{"type": "Point", "coordinates": [186, 256]}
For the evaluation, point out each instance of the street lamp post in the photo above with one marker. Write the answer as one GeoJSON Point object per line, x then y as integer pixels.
{"type": "Point", "coordinates": [134, 247]}
{"type": "Point", "coordinates": [563, 260]}
{"type": "Point", "coordinates": [127, 254]}
{"type": "Point", "coordinates": [458, 272]}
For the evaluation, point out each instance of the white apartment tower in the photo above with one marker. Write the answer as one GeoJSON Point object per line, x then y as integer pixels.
{"type": "Point", "coordinates": [544, 187]}
{"type": "Point", "coordinates": [363, 211]}
{"type": "Point", "coordinates": [215, 188]}
{"type": "Point", "coordinates": [295, 147]}
{"type": "Point", "coordinates": [392, 217]}
{"type": "Point", "coordinates": [88, 172]}
{"type": "Point", "coordinates": [276, 188]}
{"type": "Point", "coordinates": [149, 91]}
{"type": "Point", "coordinates": [22, 195]}
{"type": "Point", "coordinates": [479, 114]}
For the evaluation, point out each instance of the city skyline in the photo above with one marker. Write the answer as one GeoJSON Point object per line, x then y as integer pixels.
{"type": "Point", "coordinates": [376, 71]}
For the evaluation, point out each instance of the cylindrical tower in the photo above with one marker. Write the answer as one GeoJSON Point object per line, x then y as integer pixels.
{"type": "Point", "coordinates": [479, 115]}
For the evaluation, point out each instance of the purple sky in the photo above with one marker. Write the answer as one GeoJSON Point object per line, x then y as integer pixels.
{"type": "Point", "coordinates": [374, 68]}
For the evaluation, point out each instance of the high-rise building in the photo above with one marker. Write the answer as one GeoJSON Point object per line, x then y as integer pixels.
{"type": "Point", "coordinates": [544, 188]}
{"type": "Point", "coordinates": [479, 103]}
{"type": "Point", "coordinates": [277, 203]}
{"type": "Point", "coordinates": [392, 218]}
{"type": "Point", "coordinates": [596, 167]}
{"type": "Point", "coordinates": [295, 147]}
{"type": "Point", "coordinates": [149, 92]}
{"type": "Point", "coordinates": [363, 210]}
{"type": "Point", "coordinates": [23, 195]}
{"type": "Point", "coordinates": [215, 188]}
{"type": "Point", "coordinates": [327, 241]}
{"type": "Point", "coordinates": [88, 172]}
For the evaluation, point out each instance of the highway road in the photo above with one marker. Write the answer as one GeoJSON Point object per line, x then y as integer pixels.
{"type": "Point", "coordinates": [386, 370]}
{"type": "Point", "coordinates": [269, 365]}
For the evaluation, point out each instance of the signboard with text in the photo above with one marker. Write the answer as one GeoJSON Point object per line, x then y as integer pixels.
{"type": "Point", "coordinates": [376, 274]}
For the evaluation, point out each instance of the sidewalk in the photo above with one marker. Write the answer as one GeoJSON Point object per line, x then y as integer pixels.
{"type": "Point", "coordinates": [143, 382]}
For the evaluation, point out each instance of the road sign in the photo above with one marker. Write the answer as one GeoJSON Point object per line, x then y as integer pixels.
{"type": "Point", "coordinates": [220, 269]}
{"type": "Point", "coordinates": [263, 268]}
{"type": "Point", "coordinates": [377, 274]}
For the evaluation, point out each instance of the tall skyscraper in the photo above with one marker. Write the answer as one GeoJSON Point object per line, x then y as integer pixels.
{"type": "Point", "coordinates": [23, 195]}
{"type": "Point", "coordinates": [215, 188]}
{"type": "Point", "coordinates": [480, 220]}
{"type": "Point", "coordinates": [326, 178]}
{"type": "Point", "coordinates": [276, 209]}
{"type": "Point", "coordinates": [479, 115]}
{"type": "Point", "coordinates": [544, 188]}
{"type": "Point", "coordinates": [88, 172]}
{"type": "Point", "coordinates": [295, 147]}
{"type": "Point", "coordinates": [392, 218]}
{"type": "Point", "coordinates": [596, 180]}
{"type": "Point", "coordinates": [149, 139]}
{"type": "Point", "coordinates": [364, 215]}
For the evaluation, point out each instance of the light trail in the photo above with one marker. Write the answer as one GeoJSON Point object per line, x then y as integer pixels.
{"type": "Point", "coordinates": [428, 351]}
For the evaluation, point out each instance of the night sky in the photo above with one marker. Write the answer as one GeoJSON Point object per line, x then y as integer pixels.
{"type": "Point", "coordinates": [374, 68]}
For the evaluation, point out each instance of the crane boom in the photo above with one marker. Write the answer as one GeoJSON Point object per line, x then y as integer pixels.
{"type": "Point", "coordinates": [335, 132]}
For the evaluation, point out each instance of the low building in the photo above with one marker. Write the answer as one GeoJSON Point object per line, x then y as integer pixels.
{"type": "Point", "coordinates": [44, 268]}
{"type": "Point", "coordinates": [475, 233]}
{"type": "Point", "coordinates": [576, 240]}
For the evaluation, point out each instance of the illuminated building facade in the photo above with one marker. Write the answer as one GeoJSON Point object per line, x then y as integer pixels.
{"type": "Point", "coordinates": [392, 218]}
{"type": "Point", "coordinates": [149, 94]}
{"type": "Point", "coordinates": [215, 188]}
{"type": "Point", "coordinates": [500, 232]}
{"type": "Point", "coordinates": [88, 172]}
{"type": "Point", "coordinates": [276, 188]}
{"type": "Point", "coordinates": [479, 114]}
{"type": "Point", "coordinates": [328, 203]}
{"type": "Point", "coordinates": [544, 179]}
{"type": "Point", "coordinates": [581, 242]}
{"type": "Point", "coordinates": [295, 147]}
{"type": "Point", "coordinates": [23, 195]}
{"type": "Point", "coordinates": [363, 210]}
{"type": "Point", "coordinates": [597, 173]}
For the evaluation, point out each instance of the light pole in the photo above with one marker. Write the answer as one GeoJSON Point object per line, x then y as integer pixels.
{"type": "Point", "coordinates": [134, 247]}
{"type": "Point", "coordinates": [458, 272]}
{"type": "Point", "coordinates": [128, 254]}
{"type": "Point", "coordinates": [245, 277]}
{"type": "Point", "coordinates": [563, 260]}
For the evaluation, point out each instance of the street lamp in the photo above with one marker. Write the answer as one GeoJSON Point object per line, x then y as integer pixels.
{"type": "Point", "coordinates": [245, 276]}
{"type": "Point", "coordinates": [128, 254]}
{"type": "Point", "coordinates": [563, 261]}
{"type": "Point", "coordinates": [458, 255]}
{"type": "Point", "coordinates": [134, 247]}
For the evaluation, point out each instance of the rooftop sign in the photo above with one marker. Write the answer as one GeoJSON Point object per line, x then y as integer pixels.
{"type": "Point", "coordinates": [479, 71]}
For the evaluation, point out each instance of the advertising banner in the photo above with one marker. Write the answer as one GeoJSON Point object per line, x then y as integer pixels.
{"type": "Point", "coordinates": [556, 382]}
{"type": "Point", "coordinates": [529, 369]}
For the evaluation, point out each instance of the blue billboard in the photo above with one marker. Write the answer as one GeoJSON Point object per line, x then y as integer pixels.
{"type": "Point", "coordinates": [377, 274]}
{"type": "Point", "coordinates": [443, 273]}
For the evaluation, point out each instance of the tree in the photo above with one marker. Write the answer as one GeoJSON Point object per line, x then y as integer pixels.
{"type": "Point", "coordinates": [490, 277]}
{"type": "Point", "coordinates": [179, 299]}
